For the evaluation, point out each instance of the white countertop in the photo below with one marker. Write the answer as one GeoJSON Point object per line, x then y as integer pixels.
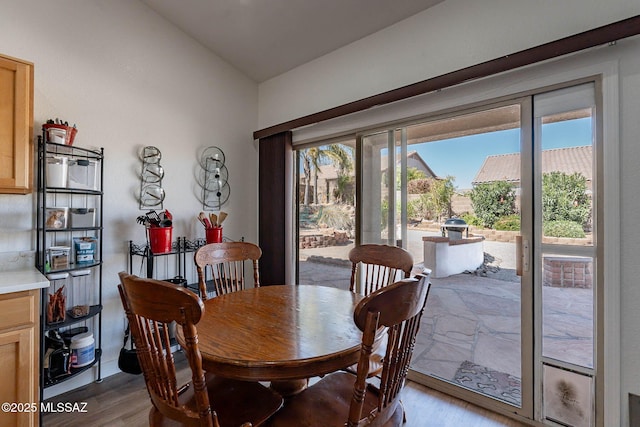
{"type": "Point", "coordinates": [22, 280]}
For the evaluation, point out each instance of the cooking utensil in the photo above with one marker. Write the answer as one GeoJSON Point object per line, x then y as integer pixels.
{"type": "Point", "coordinates": [142, 219]}
{"type": "Point", "coordinates": [165, 221]}
{"type": "Point", "coordinates": [154, 218]}
{"type": "Point", "coordinates": [214, 219]}
{"type": "Point", "coordinates": [204, 220]}
{"type": "Point", "coordinates": [221, 217]}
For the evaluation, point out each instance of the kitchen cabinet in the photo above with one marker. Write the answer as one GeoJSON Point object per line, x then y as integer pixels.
{"type": "Point", "coordinates": [16, 126]}
{"type": "Point", "coordinates": [69, 253]}
{"type": "Point", "coordinates": [19, 360]}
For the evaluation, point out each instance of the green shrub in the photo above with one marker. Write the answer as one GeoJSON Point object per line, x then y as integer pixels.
{"type": "Point", "coordinates": [384, 212]}
{"type": "Point", "coordinates": [413, 209]}
{"type": "Point", "coordinates": [508, 223]}
{"type": "Point", "coordinates": [441, 193]}
{"type": "Point", "coordinates": [421, 207]}
{"type": "Point", "coordinates": [563, 229]}
{"type": "Point", "coordinates": [471, 219]}
{"type": "Point", "coordinates": [565, 198]}
{"type": "Point", "coordinates": [493, 200]}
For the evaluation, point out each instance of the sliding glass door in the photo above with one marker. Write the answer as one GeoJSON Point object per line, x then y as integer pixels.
{"type": "Point", "coordinates": [566, 194]}
{"type": "Point", "coordinates": [498, 203]}
{"type": "Point", "coordinates": [414, 180]}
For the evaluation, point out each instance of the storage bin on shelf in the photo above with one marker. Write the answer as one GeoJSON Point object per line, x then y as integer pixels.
{"type": "Point", "coordinates": [82, 217]}
{"type": "Point", "coordinates": [56, 218]}
{"type": "Point", "coordinates": [85, 249]}
{"type": "Point", "coordinates": [83, 174]}
{"type": "Point", "coordinates": [81, 294]}
{"type": "Point", "coordinates": [57, 301]}
{"type": "Point", "coordinates": [60, 134]}
{"type": "Point", "coordinates": [83, 350]}
{"type": "Point", "coordinates": [57, 171]}
{"type": "Point", "coordinates": [57, 258]}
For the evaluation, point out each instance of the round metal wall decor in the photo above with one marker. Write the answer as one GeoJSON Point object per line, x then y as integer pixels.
{"type": "Point", "coordinates": [214, 179]}
{"type": "Point", "coordinates": [151, 174]}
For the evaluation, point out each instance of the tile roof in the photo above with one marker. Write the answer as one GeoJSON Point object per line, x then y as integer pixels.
{"type": "Point", "coordinates": [506, 167]}
{"type": "Point", "coordinates": [329, 171]}
{"type": "Point", "coordinates": [411, 155]}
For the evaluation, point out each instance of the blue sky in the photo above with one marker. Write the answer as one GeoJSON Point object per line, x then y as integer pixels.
{"type": "Point", "coordinates": [462, 157]}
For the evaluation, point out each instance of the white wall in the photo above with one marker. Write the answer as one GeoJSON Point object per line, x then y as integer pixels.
{"type": "Point", "coordinates": [129, 79]}
{"type": "Point", "coordinates": [456, 34]}
{"type": "Point", "coordinates": [452, 35]}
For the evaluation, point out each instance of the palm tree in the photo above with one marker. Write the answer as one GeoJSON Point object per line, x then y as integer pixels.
{"type": "Point", "coordinates": [312, 158]}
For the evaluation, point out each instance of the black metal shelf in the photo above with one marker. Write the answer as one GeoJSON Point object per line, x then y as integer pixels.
{"type": "Point", "coordinates": [71, 229]}
{"type": "Point", "coordinates": [68, 229]}
{"type": "Point", "coordinates": [72, 267]}
{"type": "Point", "coordinates": [80, 191]}
{"type": "Point", "coordinates": [74, 371]}
{"type": "Point", "coordinates": [70, 320]}
{"type": "Point", "coordinates": [144, 250]}
{"type": "Point", "coordinates": [72, 150]}
{"type": "Point", "coordinates": [179, 247]}
{"type": "Point", "coordinates": [89, 197]}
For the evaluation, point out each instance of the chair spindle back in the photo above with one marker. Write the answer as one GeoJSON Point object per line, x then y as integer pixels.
{"type": "Point", "coordinates": [224, 263]}
{"type": "Point", "coordinates": [398, 308]}
{"type": "Point", "coordinates": [377, 266]}
{"type": "Point", "coordinates": [151, 306]}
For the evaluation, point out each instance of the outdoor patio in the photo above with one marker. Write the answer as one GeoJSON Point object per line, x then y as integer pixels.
{"type": "Point", "coordinates": [473, 319]}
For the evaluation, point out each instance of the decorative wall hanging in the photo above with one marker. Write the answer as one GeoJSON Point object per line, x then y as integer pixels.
{"type": "Point", "coordinates": [214, 179]}
{"type": "Point", "coordinates": [151, 192]}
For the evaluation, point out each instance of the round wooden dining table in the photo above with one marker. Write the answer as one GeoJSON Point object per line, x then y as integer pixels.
{"type": "Point", "coordinates": [281, 333]}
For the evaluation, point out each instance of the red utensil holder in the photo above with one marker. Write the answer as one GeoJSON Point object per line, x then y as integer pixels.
{"type": "Point", "coordinates": [214, 235]}
{"type": "Point", "coordinates": [160, 239]}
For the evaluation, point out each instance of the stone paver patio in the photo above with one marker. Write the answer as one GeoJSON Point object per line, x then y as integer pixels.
{"type": "Point", "coordinates": [477, 319]}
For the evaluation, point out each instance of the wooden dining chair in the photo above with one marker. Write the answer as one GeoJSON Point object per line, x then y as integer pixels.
{"type": "Point", "coordinates": [342, 398]}
{"type": "Point", "coordinates": [375, 266]}
{"type": "Point", "coordinates": [225, 264]}
{"type": "Point", "coordinates": [151, 306]}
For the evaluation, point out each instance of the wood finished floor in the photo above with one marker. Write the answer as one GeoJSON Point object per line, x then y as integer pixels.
{"type": "Point", "coordinates": [122, 401]}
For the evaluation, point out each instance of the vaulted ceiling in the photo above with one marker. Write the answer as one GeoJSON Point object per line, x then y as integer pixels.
{"type": "Point", "coordinates": [264, 38]}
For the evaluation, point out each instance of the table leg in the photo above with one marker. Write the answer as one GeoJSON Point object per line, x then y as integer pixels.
{"type": "Point", "coordinates": [288, 388]}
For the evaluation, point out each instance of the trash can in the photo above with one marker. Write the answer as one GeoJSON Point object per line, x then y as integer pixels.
{"type": "Point", "coordinates": [454, 227]}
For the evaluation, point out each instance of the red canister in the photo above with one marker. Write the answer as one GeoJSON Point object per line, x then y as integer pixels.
{"type": "Point", "coordinates": [214, 235]}
{"type": "Point", "coordinates": [160, 239]}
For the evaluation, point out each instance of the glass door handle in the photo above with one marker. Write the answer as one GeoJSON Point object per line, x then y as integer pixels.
{"type": "Point", "coordinates": [522, 255]}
